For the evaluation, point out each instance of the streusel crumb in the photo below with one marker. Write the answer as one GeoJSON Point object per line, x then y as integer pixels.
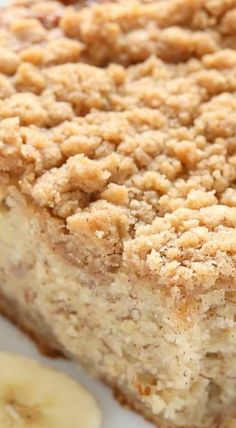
{"type": "Point", "coordinates": [140, 152]}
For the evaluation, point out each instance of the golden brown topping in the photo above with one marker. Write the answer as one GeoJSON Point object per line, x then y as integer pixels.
{"type": "Point", "coordinates": [9, 61]}
{"type": "Point", "coordinates": [140, 155]}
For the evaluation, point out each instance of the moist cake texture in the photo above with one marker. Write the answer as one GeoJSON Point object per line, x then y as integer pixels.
{"type": "Point", "coordinates": [118, 195]}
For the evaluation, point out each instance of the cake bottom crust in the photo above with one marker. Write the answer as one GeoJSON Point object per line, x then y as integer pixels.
{"type": "Point", "coordinates": [10, 310]}
{"type": "Point", "coordinates": [48, 347]}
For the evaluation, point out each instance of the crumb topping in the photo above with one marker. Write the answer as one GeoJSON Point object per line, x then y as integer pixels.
{"type": "Point", "coordinates": [120, 119]}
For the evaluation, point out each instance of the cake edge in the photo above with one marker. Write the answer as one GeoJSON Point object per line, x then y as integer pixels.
{"type": "Point", "coordinates": [53, 352]}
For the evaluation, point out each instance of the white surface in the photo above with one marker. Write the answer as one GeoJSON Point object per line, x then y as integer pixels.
{"type": "Point", "coordinates": [114, 416]}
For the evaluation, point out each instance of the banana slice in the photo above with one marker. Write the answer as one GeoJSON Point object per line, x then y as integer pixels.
{"type": "Point", "coordinates": [34, 396]}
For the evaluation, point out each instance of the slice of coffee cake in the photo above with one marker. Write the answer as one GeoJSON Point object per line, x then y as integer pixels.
{"type": "Point", "coordinates": [118, 195]}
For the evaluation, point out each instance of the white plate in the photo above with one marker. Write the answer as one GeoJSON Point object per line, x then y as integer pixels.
{"type": "Point", "coordinates": [114, 415]}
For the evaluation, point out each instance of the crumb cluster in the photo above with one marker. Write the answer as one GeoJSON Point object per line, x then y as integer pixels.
{"type": "Point", "coordinates": [120, 119]}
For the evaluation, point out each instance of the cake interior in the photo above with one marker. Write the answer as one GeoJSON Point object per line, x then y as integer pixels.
{"type": "Point", "coordinates": [176, 364]}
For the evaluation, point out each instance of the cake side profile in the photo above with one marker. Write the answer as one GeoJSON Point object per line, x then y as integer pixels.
{"type": "Point", "coordinates": [118, 196]}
